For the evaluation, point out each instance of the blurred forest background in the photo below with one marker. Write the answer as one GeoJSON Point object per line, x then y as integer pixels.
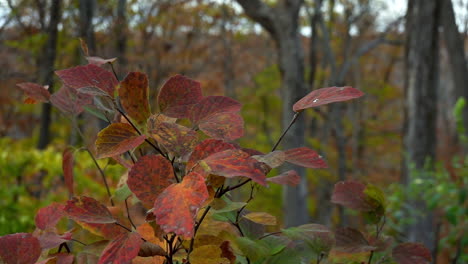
{"type": "Point", "coordinates": [407, 135]}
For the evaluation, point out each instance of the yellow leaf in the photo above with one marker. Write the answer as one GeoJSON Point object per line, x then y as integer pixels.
{"type": "Point", "coordinates": [261, 218]}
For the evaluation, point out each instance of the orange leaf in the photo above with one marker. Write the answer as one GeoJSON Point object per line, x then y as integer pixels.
{"type": "Point", "coordinates": [134, 95]}
{"type": "Point", "coordinates": [116, 139]}
{"type": "Point", "coordinates": [176, 207]}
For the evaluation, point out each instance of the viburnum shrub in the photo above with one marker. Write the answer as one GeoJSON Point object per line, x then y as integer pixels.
{"type": "Point", "coordinates": [179, 155]}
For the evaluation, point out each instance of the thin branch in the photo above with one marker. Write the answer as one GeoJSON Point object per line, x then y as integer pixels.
{"type": "Point", "coordinates": [139, 132]}
{"type": "Point", "coordinates": [103, 176]}
{"type": "Point", "coordinates": [228, 189]}
{"type": "Point", "coordinates": [77, 241]}
{"type": "Point", "coordinates": [196, 229]}
{"type": "Point", "coordinates": [269, 234]}
{"type": "Point", "coordinates": [122, 226]}
{"type": "Point", "coordinates": [296, 115]}
{"type": "Point", "coordinates": [128, 214]}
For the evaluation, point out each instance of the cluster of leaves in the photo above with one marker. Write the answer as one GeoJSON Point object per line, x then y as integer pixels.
{"type": "Point", "coordinates": [179, 158]}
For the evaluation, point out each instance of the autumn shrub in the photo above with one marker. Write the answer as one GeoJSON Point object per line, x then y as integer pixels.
{"type": "Point", "coordinates": [174, 204]}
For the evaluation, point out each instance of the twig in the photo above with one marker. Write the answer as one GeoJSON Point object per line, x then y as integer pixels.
{"type": "Point", "coordinates": [77, 241]}
{"type": "Point", "coordinates": [270, 234]}
{"type": "Point", "coordinates": [113, 70]}
{"type": "Point", "coordinates": [196, 229]}
{"type": "Point", "coordinates": [296, 115]}
{"type": "Point", "coordinates": [128, 214]}
{"type": "Point", "coordinates": [122, 226]}
{"type": "Point", "coordinates": [228, 189]}
{"type": "Point", "coordinates": [139, 132]}
{"type": "Point", "coordinates": [102, 175]}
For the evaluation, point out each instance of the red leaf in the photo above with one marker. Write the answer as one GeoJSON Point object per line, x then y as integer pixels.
{"type": "Point", "coordinates": [69, 100]}
{"type": "Point", "coordinates": [50, 240]}
{"type": "Point", "coordinates": [122, 249]}
{"type": "Point", "coordinates": [149, 176]}
{"type": "Point", "coordinates": [67, 167]}
{"type": "Point", "coordinates": [98, 61]}
{"type": "Point", "coordinates": [177, 206]}
{"type": "Point", "coordinates": [289, 177]}
{"type": "Point", "coordinates": [350, 240]}
{"type": "Point", "coordinates": [227, 251]}
{"type": "Point", "coordinates": [228, 126]}
{"type": "Point", "coordinates": [178, 95]}
{"type": "Point", "coordinates": [305, 157]}
{"type": "Point", "coordinates": [19, 248]}
{"type": "Point", "coordinates": [205, 149]}
{"type": "Point", "coordinates": [35, 92]}
{"type": "Point", "coordinates": [326, 96]}
{"type": "Point", "coordinates": [212, 105]}
{"type": "Point", "coordinates": [89, 75]}
{"type": "Point", "coordinates": [116, 139]}
{"type": "Point", "coordinates": [175, 138]}
{"type": "Point", "coordinates": [47, 217]}
{"type": "Point", "coordinates": [411, 253]}
{"type": "Point", "coordinates": [88, 210]}
{"type": "Point", "coordinates": [234, 162]}
{"type": "Point", "coordinates": [351, 194]}
{"type": "Point", "coordinates": [134, 96]}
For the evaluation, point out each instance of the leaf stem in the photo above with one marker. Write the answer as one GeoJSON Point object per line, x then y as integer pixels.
{"type": "Point", "coordinates": [196, 229]}
{"type": "Point", "coordinates": [293, 120]}
{"type": "Point", "coordinates": [228, 189]}
{"type": "Point", "coordinates": [102, 175]}
{"type": "Point", "coordinates": [113, 71]}
{"type": "Point", "coordinates": [122, 226]}
{"type": "Point", "coordinates": [128, 214]}
{"type": "Point", "coordinates": [77, 241]}
{"type": "Point", "coordinates": [139, 132]}
{"type": "Point", "coordinates": [77, 128]}
{"type": "Point", "coordinates": [269, 234]}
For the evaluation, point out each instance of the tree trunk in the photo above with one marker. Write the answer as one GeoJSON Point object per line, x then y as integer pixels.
{"type": "Point", "coordinates": [456, 53]}
{"type": "Point", "coordinates": [86, 24]}
{"type": "Point", "coordinates": [281, 22]}
{"type": "Point", "coordinates": [121, 35]}
{"type": "Point", "coordinates": [421, 102]}
{"type": "Point", "coordinates": [46, 71]}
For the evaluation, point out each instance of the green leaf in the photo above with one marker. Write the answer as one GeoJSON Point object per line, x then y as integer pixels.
{"type": "Point", "coordinates": [122, 193]}
{"type": "Point", "coordinates": [252, 249]}
{"type": "Point", "coordinates": [317, 237]}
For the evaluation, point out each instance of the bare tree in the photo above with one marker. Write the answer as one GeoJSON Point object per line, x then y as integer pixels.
{"type": "Point", "coordinates": [456, 54]}
{"type": "Point", "coordinates": [282, 23]}
{"type": "Point", "coordinates": [46, 69]}
{"type": "Point", "coordinates": [121, 34]}
{"type": "Point", "coordinates": [421, 82]}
